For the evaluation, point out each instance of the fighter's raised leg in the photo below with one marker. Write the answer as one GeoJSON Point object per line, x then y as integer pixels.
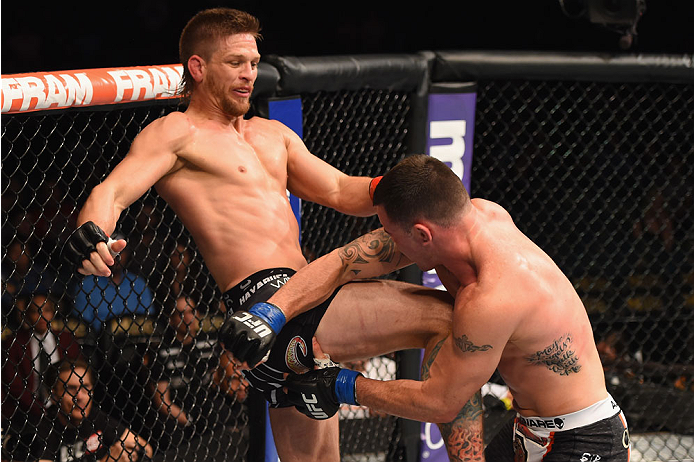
{"type": "Point", "coordinates": [376, 317]}
{"type": "Point", "coordinates": [370, 318]}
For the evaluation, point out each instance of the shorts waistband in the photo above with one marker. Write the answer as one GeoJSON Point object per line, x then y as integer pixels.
{"type": "Point", "coordinates": [603, 409]}
{"type": "Point", "coordinates": [237, 296]}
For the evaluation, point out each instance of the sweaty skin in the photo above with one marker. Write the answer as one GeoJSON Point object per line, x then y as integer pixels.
{"type": "Point", "coordinates": [226, 178]}
{"type": "Point", "coordinates": [514, 309]}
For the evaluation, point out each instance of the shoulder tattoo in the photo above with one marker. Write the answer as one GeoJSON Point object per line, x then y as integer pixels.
{"type": "Point", "coordinates": [465, 345]}
{"type": "Point", "coordinates": [375, 246]}
{"type": "Point", "coordinates": [558, 357]}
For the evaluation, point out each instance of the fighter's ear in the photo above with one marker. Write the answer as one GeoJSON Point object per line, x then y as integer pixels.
{"type": "Point", "coordinates": [422, 233]}
{"type": "Point", "coordinates": [196, 67]}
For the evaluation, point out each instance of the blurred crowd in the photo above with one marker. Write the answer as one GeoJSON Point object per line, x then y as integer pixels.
{"type": "Point", "coordinates": [129, 366]}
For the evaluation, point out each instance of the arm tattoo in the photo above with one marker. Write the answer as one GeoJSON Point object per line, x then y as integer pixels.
{"type": "Point", "coordinates": [463, 436]}
{"type": "Point", "coordinates": [374, 246]}
{"type": "Point", "coordinates": [429, 358]}
{"type": "Point", "coordinates": [464, 344]}
{"type": "Point", "coordinates": [558, 357]}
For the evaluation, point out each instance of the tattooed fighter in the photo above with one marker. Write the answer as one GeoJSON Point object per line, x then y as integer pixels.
{"type": "Point", "coordinates": [514, 310]}
{"type": "Point", "coordinates": [226, 176]}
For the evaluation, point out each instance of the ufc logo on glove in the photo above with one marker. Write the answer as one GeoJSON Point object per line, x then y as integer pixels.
{"type": "Point", "coordinates": [258, 326]}
{"type": "Point", "coordinates": [315, 411]}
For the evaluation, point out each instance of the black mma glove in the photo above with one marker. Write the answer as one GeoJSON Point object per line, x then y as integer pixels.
{"type": "Point", "coordinates": [318, 393]}
{"type": "Point", "coordinates": [82, 242]}
{"type": "Point", "coordinates": [249, 335]}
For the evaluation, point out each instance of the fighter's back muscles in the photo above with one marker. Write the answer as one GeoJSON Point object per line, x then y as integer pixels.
{"type": "Point", "coordinates": [371, 255]}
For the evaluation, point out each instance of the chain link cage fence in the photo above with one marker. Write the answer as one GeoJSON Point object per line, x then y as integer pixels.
{"type": "Point", "coordinates": [148, 332]}
{"type": "Point", "coordinates": [601, 176]}
{"type": "Point", "coordinates": [342, 129]}
{"type": "Point", "coordinates": [598, 174]}
{"type": "Point", "coordinates": [126, 326]}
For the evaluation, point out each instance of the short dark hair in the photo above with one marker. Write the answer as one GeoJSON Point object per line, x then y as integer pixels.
{"type": "Point", "coordinates": [204, 29]}
{"type": "Point", "coordinates": [421, 187]}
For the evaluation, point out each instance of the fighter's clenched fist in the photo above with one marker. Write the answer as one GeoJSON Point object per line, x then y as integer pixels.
{"type": "Point", "coordinates": [91, 250]}
{"type": "Point", "coordinates": [249, 335]}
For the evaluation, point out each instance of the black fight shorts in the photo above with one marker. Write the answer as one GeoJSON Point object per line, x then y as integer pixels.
{"type": "Point", "coordinates": [598, 433]}
{"type": "Point", "coordinates": [293, 350]}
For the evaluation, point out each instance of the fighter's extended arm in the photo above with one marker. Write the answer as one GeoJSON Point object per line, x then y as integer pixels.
{"type": "Point", "coordinates": [250, 335]}
{"type": "Point", "coordinates": [150, 157]}
{"type": "Point", "coordinates": [371, 255]}
{"type": "Point", "coordinates": [313, 179]}
{"type": "Point", "coordinates": [459, 369]}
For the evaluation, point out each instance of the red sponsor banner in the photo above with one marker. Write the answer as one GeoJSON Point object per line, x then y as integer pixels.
{"type": "Point", "coordinates": [88, 87]}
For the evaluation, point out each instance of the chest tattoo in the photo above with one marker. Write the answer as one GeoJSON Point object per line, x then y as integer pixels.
{"type": "Point", "coordinates": [558, 357]}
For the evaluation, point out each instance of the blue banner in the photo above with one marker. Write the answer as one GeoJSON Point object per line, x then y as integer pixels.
{"type": "Point", "coordinates": [450, 130]}
{"type": "Point", "coordinates": [288, 111]}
